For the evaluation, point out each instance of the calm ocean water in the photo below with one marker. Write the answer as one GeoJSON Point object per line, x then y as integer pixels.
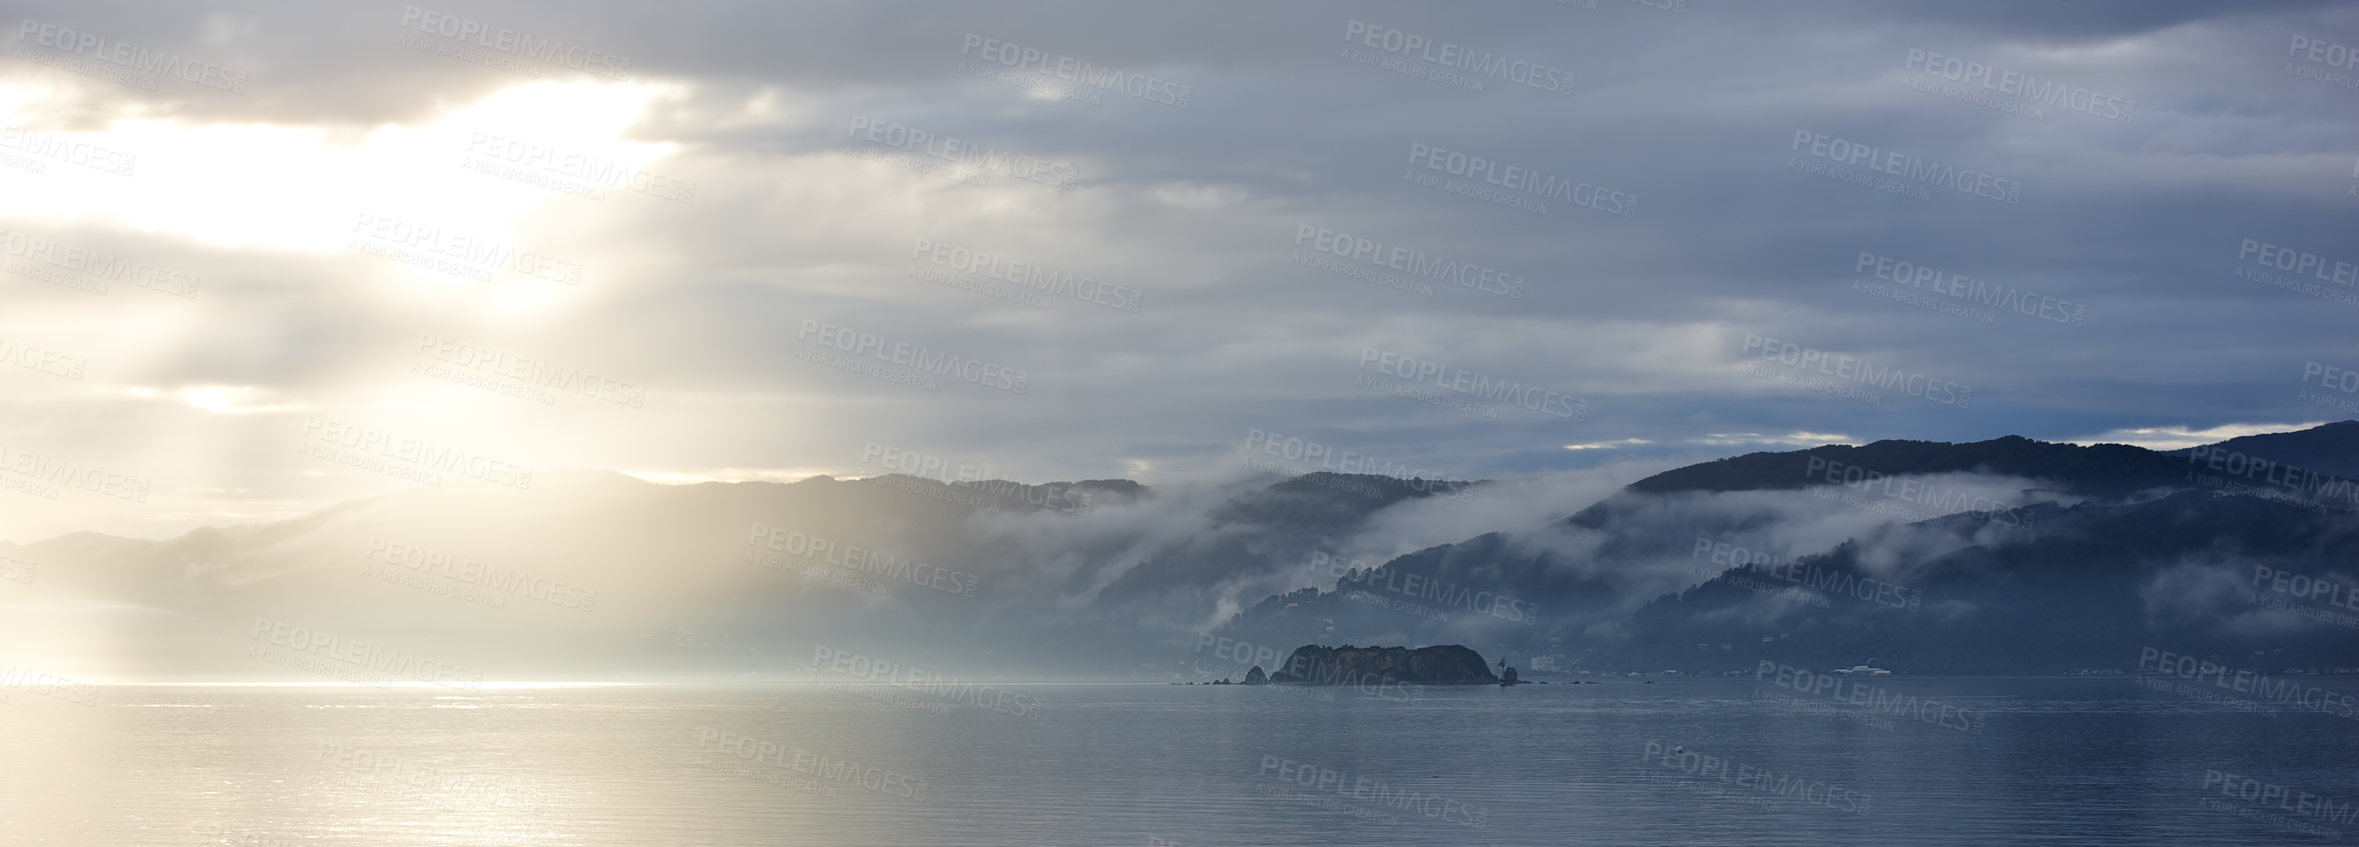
{"type": "Point", "coordinates": [1963, 761]}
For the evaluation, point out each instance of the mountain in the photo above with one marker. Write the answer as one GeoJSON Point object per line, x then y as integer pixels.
{"type": "Point", "coordinates": [1263, 534]}
{"type": "Point", "coordinates": [1997, 549]}
{"type": "Point", "coordinates": [2330, 449]}
{"type": "Point", "coordinates": [2096, 585]}
{"type": "Point", "coordinates": [2100, 470]}
{"type": "Point", "coordinates": [596, 575]}
{"type": "Point", "coordinates": [1995, 556]}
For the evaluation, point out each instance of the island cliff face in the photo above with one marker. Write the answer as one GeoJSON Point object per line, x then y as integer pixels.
{"type": "Point", "coordinates": [1447, 664]}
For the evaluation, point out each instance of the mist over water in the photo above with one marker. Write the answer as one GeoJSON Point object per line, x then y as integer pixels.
{"type": "Point", "coordinates": [1582, 422]}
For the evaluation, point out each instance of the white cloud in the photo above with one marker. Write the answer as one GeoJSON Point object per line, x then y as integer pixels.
{"type": "Point", "coordinates": [2181, 437]}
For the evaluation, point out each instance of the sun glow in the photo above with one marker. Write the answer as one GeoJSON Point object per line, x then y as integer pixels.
{"type": "Point", "coordinates": [303, 188]}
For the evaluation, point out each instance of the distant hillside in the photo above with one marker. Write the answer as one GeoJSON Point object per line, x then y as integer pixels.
{"type": "Point", "coordinates": [2191, 573]}
{"type": "Point", "coordinates": [1265, 532]}
{"type": "Point", "coordinates": [2100, 470]}
{"type": "Point", "coordinates": [2331, 449]}
{"type": "Point", "coordinates": [2010, 555]}
{"type": "Point", "coordinates": [598, 575]}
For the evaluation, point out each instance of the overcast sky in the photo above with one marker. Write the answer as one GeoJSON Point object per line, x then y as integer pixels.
{"type": "Point", "coordinates": [270, 256]}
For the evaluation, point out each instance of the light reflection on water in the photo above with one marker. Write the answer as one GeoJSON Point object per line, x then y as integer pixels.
{"type": "Point", "coordinates": [2081, 761]}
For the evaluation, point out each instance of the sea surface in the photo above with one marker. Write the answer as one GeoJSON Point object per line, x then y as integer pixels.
{"type": "Point", "coordinates": [1916, 761]}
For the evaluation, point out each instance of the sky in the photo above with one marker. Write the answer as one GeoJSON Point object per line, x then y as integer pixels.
{"type": "Point", "coordinates": [260, 258]}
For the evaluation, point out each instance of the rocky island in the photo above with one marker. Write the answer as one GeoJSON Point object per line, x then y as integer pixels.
{"type": "Point", "coordinates": [1446, 664]}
